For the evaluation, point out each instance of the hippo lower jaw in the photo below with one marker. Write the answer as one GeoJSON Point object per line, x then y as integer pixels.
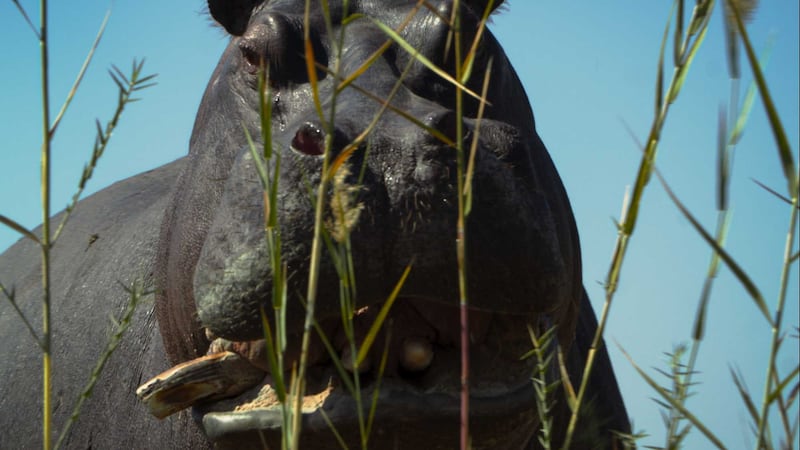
{"type": "Point", "coordinates": [403, 416]}
{"type": "Point", "coordinates": [411, 401]}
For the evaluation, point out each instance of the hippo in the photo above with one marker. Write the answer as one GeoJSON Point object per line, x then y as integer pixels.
{"type": "Point", "coordinates": [191, 235]}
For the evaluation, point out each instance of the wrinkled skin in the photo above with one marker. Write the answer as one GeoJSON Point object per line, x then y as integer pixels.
{"type": "Point", "coordinates": [211, 273]}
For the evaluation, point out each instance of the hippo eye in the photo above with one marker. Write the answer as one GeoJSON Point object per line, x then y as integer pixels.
{"type": "Point", "coordinates": [253, 60]}
{"type": "Point", "coordinates": [277, 44]}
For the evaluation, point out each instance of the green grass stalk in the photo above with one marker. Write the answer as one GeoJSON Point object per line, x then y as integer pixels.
{"type": "Point", "coordinates": [543, 351]}
{"type": "Point", "coordinates": [316, 245]}
{"type": "Point", "coordinates": [769, 394]}
{"type": "Point", "coordinates": [48, 238]}
{"type": "Point", "coordinates": [791, 175]}
{"type": "Point", "coordinates": [45, 239]}
{"type": "Point", "coordinates": [461, 233]}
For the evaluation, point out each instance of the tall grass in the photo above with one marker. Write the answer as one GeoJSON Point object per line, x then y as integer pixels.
{"type": "Point", "coordinates": [780, 394]}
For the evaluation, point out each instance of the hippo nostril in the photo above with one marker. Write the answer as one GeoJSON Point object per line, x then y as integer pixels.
{"type": "Point", "coordinates": [309, 140]}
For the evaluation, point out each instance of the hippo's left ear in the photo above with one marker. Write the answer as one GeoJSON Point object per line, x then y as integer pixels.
{"type": "Point", "coordinates": [233, 15]}
{"type": "Point", "coordinates": [479, 6]}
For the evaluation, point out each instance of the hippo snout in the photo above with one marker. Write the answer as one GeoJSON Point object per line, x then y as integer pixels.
{"type": "Point", "coordinates": [405, 183]}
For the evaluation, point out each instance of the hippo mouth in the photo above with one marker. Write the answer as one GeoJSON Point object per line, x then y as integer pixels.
{"type": "Point", "coordinates": [411, 375]}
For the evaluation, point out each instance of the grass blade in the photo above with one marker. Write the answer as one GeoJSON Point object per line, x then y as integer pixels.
{"type": "Point", "coordinates": [473, 150]}
{"type": "Point", "coordinates": [782, 142]}
{"type": "Point", "coordinates": [260, 167]}
{"type": "Point", "coordinates": [376, 391]}
{"type": "Point", "coordinates": [421, 58]}
{"type": "Point", "coordinates": [27, 19]}
{"type": "Point", "coordinates": [311, 65]}
{"type": "Point", "coordinates": [660, 71]}
{"type": "Point", "coordinates": [274, 368]}
{"type": "Point", "coordinates": [772, 191]}
{"type": "Point", "coordinates": [569, 390]}
{"type": "Point", "coordinates": [782, 385]}
{"type": "Point", "coordinates": [466, 67]}
{"type": "Point", "coordinates": [743, 392]}
{"type": "Point", "coordinates": [19, 228]}
{"type": "Point", "coordinates": [723, 162]}
{"type": "Point", "coordinates": [11, 298]}
{"type": "Point", "coordinates": [740, 274]}
{"type": "Point", "coordinates": [683, 69]}
{"type": "Point", "coordinates": [678, 44]}
{"type": "Point", "coordinates": [698, 331]}
{"type": "Point", "coordinates": [675, 404]}
{"type": "Point", "coordinates": [375, 327]}
{"type": "Point", "coordinates": [749, 98]}
{"type": "Point", "coordinates": [333, 429]}
{"type": "Point", "coordinates": [377, 53]}
{"type": "Point", "coordinates": [81, 73]}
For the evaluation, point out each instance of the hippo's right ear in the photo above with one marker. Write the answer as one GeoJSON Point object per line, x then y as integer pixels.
{"type": "Point", "coordinates": [233, 15]}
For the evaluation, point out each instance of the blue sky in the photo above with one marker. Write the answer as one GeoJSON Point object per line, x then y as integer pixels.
{"type": "Point", "coordinates": [589, 69]}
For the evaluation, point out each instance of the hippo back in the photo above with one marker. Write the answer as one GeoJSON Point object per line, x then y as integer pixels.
{"type": "Point", "coordinates": [108, 244]}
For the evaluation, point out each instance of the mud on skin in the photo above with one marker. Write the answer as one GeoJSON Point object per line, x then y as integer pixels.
{"type": "Point", "coordinates": [209, 264]}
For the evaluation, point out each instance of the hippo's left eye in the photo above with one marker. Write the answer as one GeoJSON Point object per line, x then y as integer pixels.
{"type": "Point", "coordinates": [253, 60]}
{"type": "Point", "coordinates": [276, 43]}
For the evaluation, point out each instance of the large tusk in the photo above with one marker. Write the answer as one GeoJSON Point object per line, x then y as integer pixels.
{"type": "Point", "coordinates": [207, 378]}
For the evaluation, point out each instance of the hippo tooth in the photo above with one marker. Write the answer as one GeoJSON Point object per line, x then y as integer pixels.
{"type": "Point", "coordinates": [417, 354]}
{"type": "Point", "coordinates": [348, 362]}
{"type": "Point", "coordinates": [210, 377]}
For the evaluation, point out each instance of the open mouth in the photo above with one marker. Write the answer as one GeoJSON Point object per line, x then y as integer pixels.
{"type": "Point", "coordinates": [411, 374]}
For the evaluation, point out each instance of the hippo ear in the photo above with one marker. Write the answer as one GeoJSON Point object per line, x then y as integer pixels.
{"type": "Point", "coordinates": [479, 6]}
{"type": "Point", "coordinates": [233, 15]}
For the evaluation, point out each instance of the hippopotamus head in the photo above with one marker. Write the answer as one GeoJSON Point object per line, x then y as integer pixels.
{"type": "Point", "coordinates": [523, 262]}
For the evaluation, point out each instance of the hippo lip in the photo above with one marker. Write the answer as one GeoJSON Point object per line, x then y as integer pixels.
{"type": "Point", "coordinates": [499, 386]}
{"type": "Point", "coordinates": [334, 406]}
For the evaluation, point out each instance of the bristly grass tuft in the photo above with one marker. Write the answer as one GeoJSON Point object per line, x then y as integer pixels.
{"type": "Point", "coordinates": [544, 382]}
{"type": "Point", "coordinates": [679, 376]}
{"type": "Point", "coordinates": [747, 9]}
{"type": "Point", "coordinates": [343, 206]}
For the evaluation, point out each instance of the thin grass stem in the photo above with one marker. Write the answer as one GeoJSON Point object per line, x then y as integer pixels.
{"type": "Point", "coordinates": [778, 320]}
{"type": "Point", "coordinates": [45, 240]}
{"type": "Point", "coordinates": [316, 246]}
{"type": "Point", "coordinates": [461, 230]}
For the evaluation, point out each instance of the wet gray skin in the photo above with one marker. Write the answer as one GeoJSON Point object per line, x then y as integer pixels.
{"type": "Point", "coordinates": [211, 272]}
